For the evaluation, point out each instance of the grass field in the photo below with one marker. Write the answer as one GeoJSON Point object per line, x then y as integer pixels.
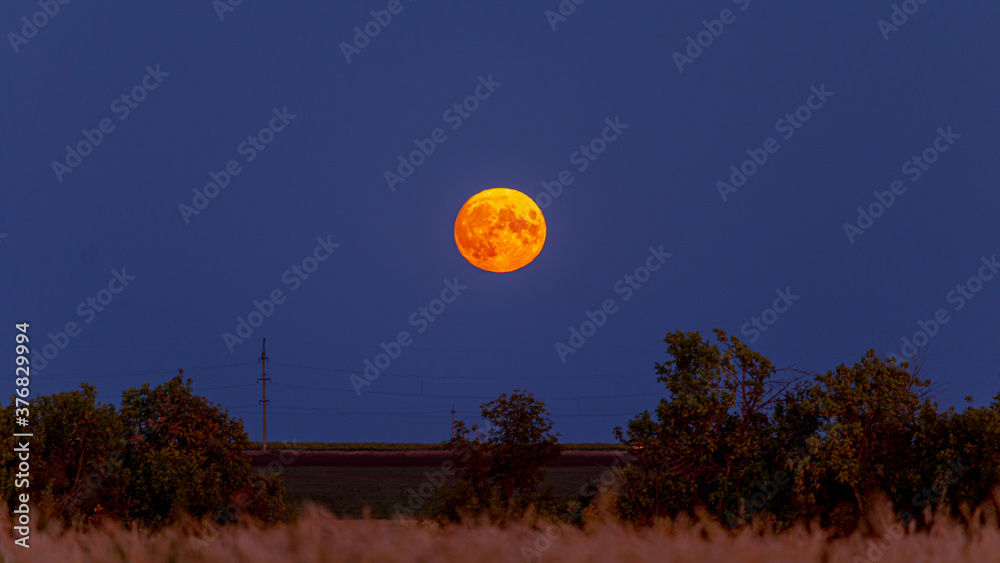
{"type": "Point", "coordinates": [347, 481]}
{"type": "Point", "coordinates": [345, 491]}
{"type": "Point", "coordinates": [318, 537]}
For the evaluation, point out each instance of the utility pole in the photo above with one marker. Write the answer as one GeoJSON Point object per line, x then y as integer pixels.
{"type": "Point", "coordinates": [453, 422]}
{"type": "Point", "coordinates": [264, 378]}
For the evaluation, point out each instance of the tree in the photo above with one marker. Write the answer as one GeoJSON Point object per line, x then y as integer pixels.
{"type": "Point", "coordinates": [737, 440]}
{"type": "Point", "coordinates": [166, 451]}
{"type": "Point", "coordinates": [500, 473]}
{"type": "Point", "coordinates": [75, 452]}
{"type": "Point", "coordinates": [959, 460]}
{"type": "Point", "coordinates": [521, 441]}
{"type": "Point", "coordinates": [187, 456]}
{"type": "Point", "coordinates": [711, 442]}
{"type": "Point", "coordinates": [869, 414]}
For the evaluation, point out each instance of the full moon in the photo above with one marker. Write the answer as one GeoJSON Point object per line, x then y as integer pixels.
{"type": "Point", "coordinates": [500, 230]}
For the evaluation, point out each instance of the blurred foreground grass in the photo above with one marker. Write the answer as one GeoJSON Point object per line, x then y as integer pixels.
{"type": "Point", "coordinates": [319, 537]}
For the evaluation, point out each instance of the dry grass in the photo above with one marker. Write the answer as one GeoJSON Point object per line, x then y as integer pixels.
{"type": "Point", "coordinates": [320, 537]}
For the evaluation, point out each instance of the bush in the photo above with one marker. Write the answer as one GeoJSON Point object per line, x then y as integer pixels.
{"type": "Point", "coordinates": [499, 474]}
{"type": "Point", "coordinates": [166, 452]}
{"type": "Point", "coordinates": [75, 453]}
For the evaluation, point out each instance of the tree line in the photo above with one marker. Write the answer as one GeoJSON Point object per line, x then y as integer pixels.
{"type": "Point", "coordinates": [733, 438]}
{"type": "Point", "coordinates": [737, 439]}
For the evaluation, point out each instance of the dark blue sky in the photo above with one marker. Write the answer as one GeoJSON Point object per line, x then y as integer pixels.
{"type": "Point", "coordinates": [335, 128]}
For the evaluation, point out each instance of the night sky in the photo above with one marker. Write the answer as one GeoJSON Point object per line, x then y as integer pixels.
{"type": "Point", "coordinates": [724, 145]}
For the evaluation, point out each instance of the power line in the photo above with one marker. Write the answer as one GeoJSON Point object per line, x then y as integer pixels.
{"type": "Point", "coordinates": [148, 372]}
{"type": "Point", "coordinates": [162, 345]}
{"type": "Point", "coordinates": [415, 414]}
{"type": "Point", "coordinates": [396, 393]}
{"type": "Point", "coordinates": [221, 366]}
{"type": "Point", "coordinates": [470, 377]}
{"type": "Point", "coordinates": [102, 375]}
{"type": "Point", "coordinates": [297, 411]}
{"type": "Point", "coordinates": [658, 350]}
{"type": "Point", "coordinates": [226, 387]}
{"type": "Point", "coordinates": [429, 349]}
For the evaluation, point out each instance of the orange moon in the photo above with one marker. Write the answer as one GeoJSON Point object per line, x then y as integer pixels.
{"type": "Point", "coordinates": [500, 230]}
